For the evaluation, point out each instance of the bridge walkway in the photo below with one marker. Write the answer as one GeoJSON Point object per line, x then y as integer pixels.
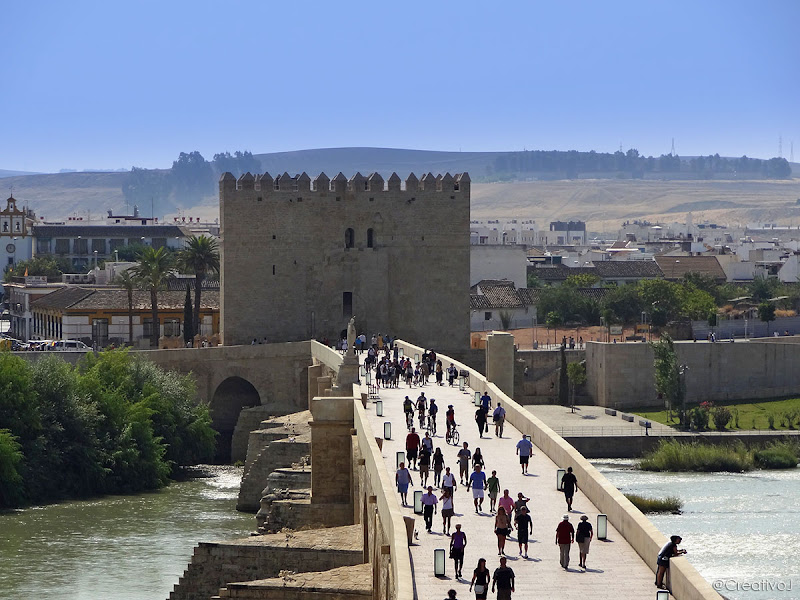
{"type": "Point", "coordinates": [615, 572]}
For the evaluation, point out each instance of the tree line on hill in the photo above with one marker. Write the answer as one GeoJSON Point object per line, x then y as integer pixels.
{"type": "Point", "coordinates": [190, 179]}
{"type": "Point", "coordinates": [572, 164]}
{"type": "Point", "coordinates": [112, 425]}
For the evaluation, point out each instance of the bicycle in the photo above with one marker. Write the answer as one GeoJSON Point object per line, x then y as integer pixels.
{"type": "Point", "coordinates": [451, 437]}
{"type": "Point", "coordinates": [430, 425]}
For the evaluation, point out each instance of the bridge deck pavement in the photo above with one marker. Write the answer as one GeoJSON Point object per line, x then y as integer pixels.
{"type": "Point", "coordinates": [615, 571]}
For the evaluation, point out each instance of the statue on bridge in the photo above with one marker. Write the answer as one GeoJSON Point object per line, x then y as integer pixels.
{"type": "Point", "coordinates": [351, 337]}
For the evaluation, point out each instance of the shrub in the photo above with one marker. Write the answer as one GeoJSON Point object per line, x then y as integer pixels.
{"type": "Point", "coordinates": [670, 504]}
{"type": "Point", "coordinates": [672, 455]}
{"type": "Point", "coordinates": [771, 420]}
{"type": "Point", "coordinates": [735, 413]}
{"type": "Point", "coordinates": [698, 417]}
{"type": "Point", "coordinates": [721, 416]}
{"type": "Point", "coordinates": [778, 455]}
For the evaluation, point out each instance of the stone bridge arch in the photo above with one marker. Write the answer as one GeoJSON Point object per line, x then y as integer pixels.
{"type": "Point", "coordinates": [230, 396]}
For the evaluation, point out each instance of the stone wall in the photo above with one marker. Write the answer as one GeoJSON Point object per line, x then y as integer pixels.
{"type": "Point", "coordinates": [286, 241]}
{"type": "Point", "coordinates": [622, 375]}
{"type": "Point", "coordinates": [344, 583]}
{"type": "Point", "coordinates": [541, 384]}
{"type": "Point", "coordinates": [214, 564]}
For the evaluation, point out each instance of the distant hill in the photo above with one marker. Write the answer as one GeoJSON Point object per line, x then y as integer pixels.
{"type": "Point", "coordinates": [4, 173]}
{"type": "Point", "coordinates": [546, 195]}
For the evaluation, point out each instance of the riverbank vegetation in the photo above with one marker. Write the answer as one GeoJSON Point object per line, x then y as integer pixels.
{"type": "Point", "coordinates": [113, 424]}
{"type": "Point", "coordinates": [775, 414]}
{"type": "Point", "coordinates": [673, 455]}
{"type": "Point", "coordinates": [670, 504]}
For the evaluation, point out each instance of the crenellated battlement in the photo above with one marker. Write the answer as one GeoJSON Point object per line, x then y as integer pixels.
{"type": "Point", "coordinates": [357, 184]}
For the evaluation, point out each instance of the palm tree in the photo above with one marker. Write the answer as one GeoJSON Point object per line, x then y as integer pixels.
{"type": "Point", "coordinates": [127, 281]}
{"type": "Point", "coordinates": [201, 257]}
{"type": "Point", "coordinates": [151, 273]}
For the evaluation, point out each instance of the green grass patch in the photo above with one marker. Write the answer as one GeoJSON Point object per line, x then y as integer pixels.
{"type": "Point", "coordinates": [673, 455]}
{"type": "Point", "coordinates": [670, 504]}
{"type": "Point", "coordinates": [775, 414]}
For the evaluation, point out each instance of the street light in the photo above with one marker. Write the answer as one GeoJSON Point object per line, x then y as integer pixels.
{"type": "Point", "coordinates": [438, 562]}
{"type": "Point", "coordinates": [602, 526]}
{"type": "Point", "coordinates": [560, 479]}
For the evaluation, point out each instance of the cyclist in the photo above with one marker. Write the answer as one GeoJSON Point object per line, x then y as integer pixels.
{"type": "Point", "coordinates": [450, 417]}
{"type": "Point", "coordinates": [422, 404]}
{"type": "Point", "coordinates": [433, 410]}
{"type": "Point", "coordinates": [408, 409]}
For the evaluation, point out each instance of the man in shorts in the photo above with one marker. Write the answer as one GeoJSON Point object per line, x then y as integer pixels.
{"type": "Point", "coordinates": [463, 463]}
{"type": "Point", "coordinates": [412, 447]}
{"type": "Point", "coordinates": [503, 578]}
{"type": "Point", "coordinates": [570, 484]}
{"type": "Point", "coordinates": [477, 481]}
{"type": "Point", "coordinates": [525, 451]}
{"type": "Point", "coordinates": [493, 485]}
{"type": "Point", "coordinates": [499, 418]}
{"type": "Point", "coordinates": [524, 528]}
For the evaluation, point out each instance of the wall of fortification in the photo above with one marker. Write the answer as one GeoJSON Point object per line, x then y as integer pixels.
{"type": "Point", "coordinates": [622, 375]}
{"type": "Point", "coordinates": [286, 264]}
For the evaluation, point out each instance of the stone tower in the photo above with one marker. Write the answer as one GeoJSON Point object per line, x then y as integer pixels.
{"type": "Point", "coordinates": [299, 258]}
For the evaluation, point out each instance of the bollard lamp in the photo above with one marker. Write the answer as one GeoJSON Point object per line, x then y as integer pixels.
{"type": "Point", "coordinates": [439, 562]}
{"type": "Point", "coordinates": [401, 457]}
{"type": "Point", "coordinates": [662, 595]}
{"type": "Point", "coordinates": [559, 479]}
{"type": "Point", "coordinates": [418, 502]}
{"type": "Point", "coordinates": [416, 357]}
{"type": "Point", "coordinates": [602, 526]}
{"type": "Point", "coordinates": [362, 371]}
{"type": "Point", "coordinates": [460, 383]}
{"type": "Point", "coordinates": [477, 398]}
{"type": "Point", "coordinates": [379, 408]}
{"type": "Point", "coordinates": [387, 430]}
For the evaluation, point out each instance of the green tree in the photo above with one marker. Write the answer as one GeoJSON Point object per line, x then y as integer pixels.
{"type": "Point", "coordinates": [201, 257]}
{"type": "Point", "coordinates": [663, 295]}
{"type": "Point", "coordinates": [127, 281]}
{"type": "Point", "coordinates": [576, 372]}
{"type": "Point", "coordinates": [582, 280]}
{"type": "Point", "coordinates": [624, 302]}
{"type": "Point", "coordinates": [697, 304]}
{"type": "Point", "coordinates": [188, 321]}
{"type": "Point", "coordinates": [667, 373]}
{"type": "Point", "coordinates": [47, 265]}
{"type": "Point", "coordinates": [766, 313]}
{"type": "Point", "coordinates": [763, 288]}
{"type": "Point", "coordinates": [553, 320]}
{"type": "Point", "coordinates": [532, 280]}
{"type": "Point", "coordinates": [155, 266]}
{"type": "Point", "coordinates": [12, 490]}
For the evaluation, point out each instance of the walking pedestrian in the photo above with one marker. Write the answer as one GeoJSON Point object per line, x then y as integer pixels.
{"type": "Point", "coordinates": [452, 373]}
{"type": "Point", "coordinates": [570, 485]}
{"type": "Point", "coordinates": [463, 463]}
{"type": "Point", "coordinates": [486, 405]}
{"type": "Point", "coordinates": [480, 580]}
{"type": "Point", "coordinates": [524, 527]}
{"type": "Point", "coordinates": [448, 481]}
{"type": "Point", "coordinates": [458, 544]}
{"type": "Point", "coordinates": [429, 502]}
{"type": "Point", "coordinates": [565, 535]}
{"type": "Point", "coordinates": [503, 578]}
{"type": "Point", "coordinates": [448, 510]}
{"type": "Point", "coordinates": [584, 535]}
{"type": "Point", "coordinates": [480, 419]}
{"type": "Point", "coordinates": [412, 447]}
{"type": "Point", "coordinates": [506, 502]}
{"type": "Point", "coordinates": [525, 451]}
{"type": "Point", "coordinates": [477, 459]}
{"type": "Point", "coordinates": [439, 373]}
{"type": "Point", "coordinates": [493, 486]}
{"type": "Point", "coordinates": [477, 481]}
{"type": "Point", "coordinates": [499, 418]}
{"type": "Point", "coordinates": [438, 465]}
{"type": "Point", "coordinates": [501, 530]}
{"type": "Point", "coordinates": [402, 478]}
{"type": "Point", "coordinates": [520, 502]}
{"type": "Point", "coordinates": [427, 441]}
{"type": "Point", "coordinates": [667, 551]}
{"type": "Point", "coordinates": [424, 465]}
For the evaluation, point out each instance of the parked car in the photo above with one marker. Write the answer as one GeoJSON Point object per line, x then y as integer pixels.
{"type": "Point", "coordinates": [69, 346]}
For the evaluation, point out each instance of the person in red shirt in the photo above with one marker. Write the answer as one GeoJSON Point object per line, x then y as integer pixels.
{"type": "Point", "coordinates": [412, 447]}
{"type": "Point", "coordinates": [565, 535]}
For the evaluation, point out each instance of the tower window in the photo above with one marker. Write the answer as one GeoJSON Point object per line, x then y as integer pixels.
{"type": "Point", "coordinates": [349, 238]}
{"type": "Point", "coordinates": [370, 238]}
{"type": "Point", "coordinates": [347, 304]}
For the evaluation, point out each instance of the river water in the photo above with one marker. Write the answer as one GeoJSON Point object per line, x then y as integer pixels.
{"type": "Point", "coordinates": [117, 547]}
{"type": "Point", "coordinates": [740, 529]}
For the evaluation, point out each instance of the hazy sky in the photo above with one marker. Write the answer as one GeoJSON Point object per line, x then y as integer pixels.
{"type": "Point", "coordinates": [113, 84]}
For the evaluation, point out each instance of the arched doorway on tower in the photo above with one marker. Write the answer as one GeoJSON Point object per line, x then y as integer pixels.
{"type": "Point", "coordinates": [231, 396]}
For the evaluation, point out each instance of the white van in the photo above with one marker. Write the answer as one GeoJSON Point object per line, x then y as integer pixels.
{"type": "Point", "coordinates": [70, 346]}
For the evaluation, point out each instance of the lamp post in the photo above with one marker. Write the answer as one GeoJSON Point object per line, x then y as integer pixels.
{"type": "Point", "coordinates": [418, 502]}
{"type": "Point", "coordinates": [387, 430]}
{"type": "Point", "coordinates": [602, 526]}
{"type": "Point", "coordinates": [438, 562]}
{"type": "Point", "coordinates": [400, 457]}
{"type": "Point", "coordinates": [95, 259]}
{"type": "Point", "coordinates": [379, 408]}
{"type": "Point", "coordinates": [560, 479]}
